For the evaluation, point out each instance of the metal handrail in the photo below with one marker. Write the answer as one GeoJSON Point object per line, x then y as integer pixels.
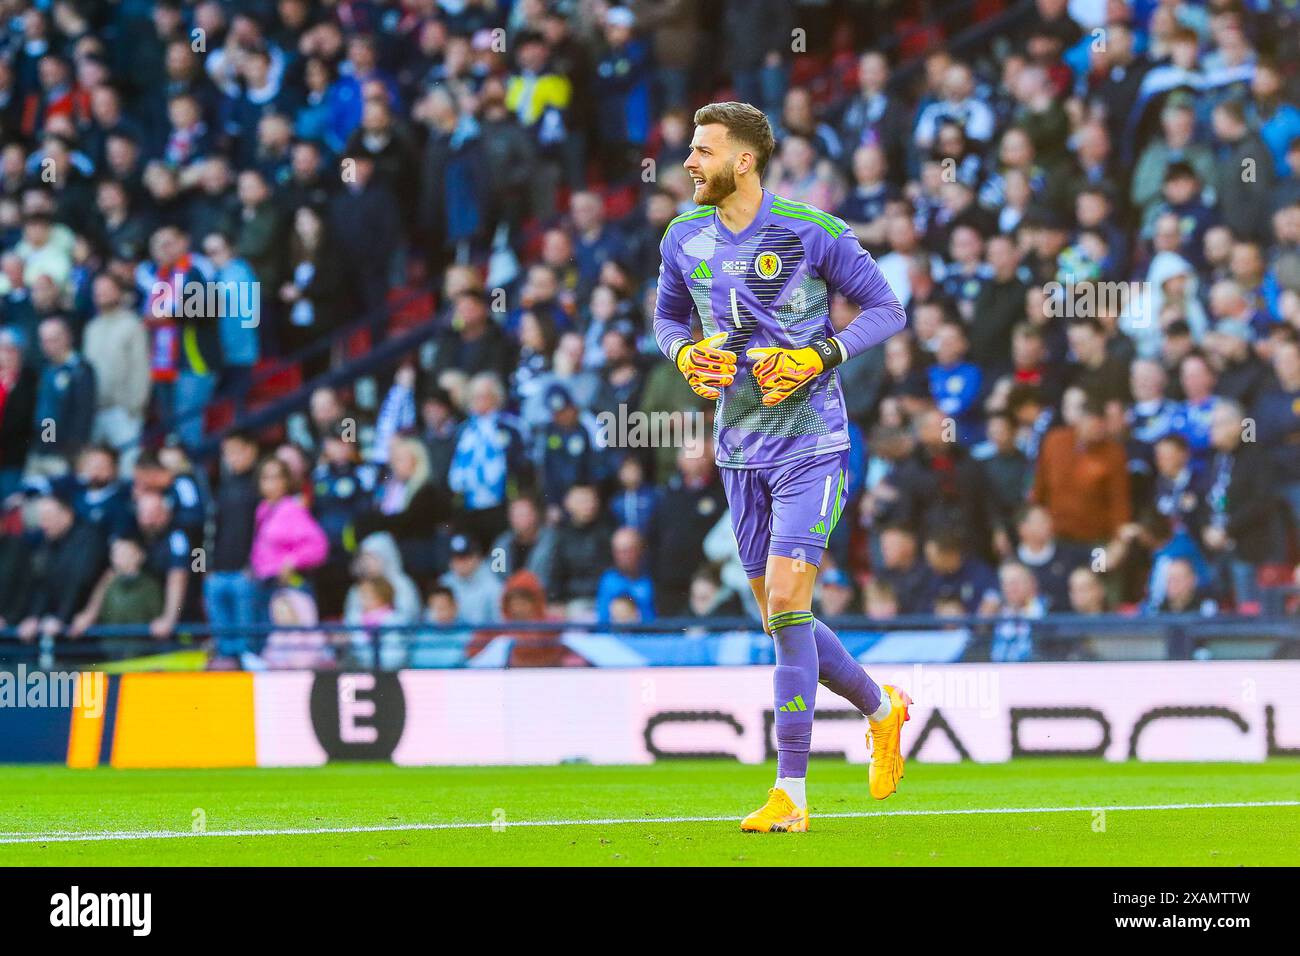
{"type": "Point", "coordinates": [1282, 626]}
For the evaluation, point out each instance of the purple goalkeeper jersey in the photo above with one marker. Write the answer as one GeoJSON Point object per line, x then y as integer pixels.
{"type": "Point", "coordinates": [770, 285]}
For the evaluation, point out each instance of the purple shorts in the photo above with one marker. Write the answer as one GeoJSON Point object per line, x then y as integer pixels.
{"type": "Point", "coordinates": [789, 509]}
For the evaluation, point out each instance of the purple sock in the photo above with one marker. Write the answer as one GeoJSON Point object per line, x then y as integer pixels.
{"type": "Point", "coordinates": [795, 689]}
{"type": "Point", "coordinates": [842, 674]}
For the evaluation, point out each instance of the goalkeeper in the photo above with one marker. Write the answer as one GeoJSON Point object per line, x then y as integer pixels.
{"type": "Point", "coordinates": [757, 271]}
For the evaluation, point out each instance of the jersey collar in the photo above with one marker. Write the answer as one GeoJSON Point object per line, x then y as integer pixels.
{"type": "Point", "coordinates": [764, 208]}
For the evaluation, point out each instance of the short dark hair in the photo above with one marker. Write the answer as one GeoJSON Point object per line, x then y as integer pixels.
{"type": "Point", "coordinates": [148, 459]}
{"type": "Point", "coordinates": [1088, 322]}
{"type": "Point", "coordinates": [1094, 407]}
{"type": "Point", "coordinates": [746, 124]}
{"type": "Point", "coordinates": [947, 539]}
{"type": "Point", "coordinates": [130, 536]}
{"type": "Point", "coordinates": [1233, 110]}
{"type": "Point", "coordinates": [899, 526]}
{"type": "Point", "coordinates": [1022, 394]}
{"type": "Point", "coordinates": [952, 322]}
{"type": "Point", "coordinates": [1002, 417]}
{"type": "Point", "coordinates": [100, 448]}
{"type": "Point", "coordinates": [241, 436]}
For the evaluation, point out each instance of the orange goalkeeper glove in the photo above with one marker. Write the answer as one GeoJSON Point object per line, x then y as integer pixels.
{"type": "Point", "coordinates": [707, 367]}
{"type": "Point", "coordinates": [782, 372]}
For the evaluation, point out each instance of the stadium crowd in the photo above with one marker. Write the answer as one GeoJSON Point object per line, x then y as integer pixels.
{"type": "Point", "coordinates": [1091, 215]}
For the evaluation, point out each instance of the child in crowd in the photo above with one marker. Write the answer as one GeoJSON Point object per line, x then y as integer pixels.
{"type": "Point", "coordinates": [296, 649]}
{"type": "Point", "coordinates": [132, 596]}
{"type": "Point", "coordinates": [378, 599]}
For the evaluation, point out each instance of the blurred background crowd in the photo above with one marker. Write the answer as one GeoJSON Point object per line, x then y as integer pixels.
{"type": "Point", "coordinates": [448, 214]}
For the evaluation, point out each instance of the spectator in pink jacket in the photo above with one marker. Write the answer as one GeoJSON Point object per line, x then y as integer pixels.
{"type": "Point", "coordinates": [287, 541]}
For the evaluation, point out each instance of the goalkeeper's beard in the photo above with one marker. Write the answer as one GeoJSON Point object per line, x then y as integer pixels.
{"type": "Point", "coordinates": [717, 187]}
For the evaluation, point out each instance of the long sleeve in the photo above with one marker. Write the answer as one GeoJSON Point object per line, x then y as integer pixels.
{"type": "Point", "coordinates": [396, 414]}
{"type": "Point", "coordinates": [1117, 479]}
{"type": "Point", "coordinates": [458, 475]}
{"type": "Point", "coordinates": [850, 270]}
{"type": "Point", "coordinates": [86, 562]}
{"type": "Point", "coordinates": [957, 402]}
{"type": "Point", "coordinates": [1041, 489]}
{"type": "Point", "coordinates": [606, 591]}
{"type": "Point", "coordinates": [137, 383]}
{"type": "Point", "coordinates": [420, 517]}
{"type": "Point", "coordinates": [1256, 506]}
{"type": "Point", "coordinates": [307, 546]}
{"type": "Point", "coordinates": [82, 411]}
{"type": "Point", "coordinates": [672, 303]}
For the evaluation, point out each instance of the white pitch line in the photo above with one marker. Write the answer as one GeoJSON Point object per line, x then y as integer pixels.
{"type": "Point", "coordinates": [66, 836]}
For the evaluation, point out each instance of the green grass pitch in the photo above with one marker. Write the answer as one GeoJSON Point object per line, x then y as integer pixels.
{"type": "Point", "coordinates": [620, 816]}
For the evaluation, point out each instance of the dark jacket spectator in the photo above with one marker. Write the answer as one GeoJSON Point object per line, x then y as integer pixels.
{"type": "Point", "coordinates": [363, 221]}
{"type": "Point", "coordinates": [65, 563]}
{"type": "Point", "coordinates": [582, 549]}
{"type": "Point", "coordinates": [941, 486]}
{"type": "Point", "coordinates": [18, 386]}
{"type": "Point", "coordinates": [475, 343]}
{"type": "Point", "coordinates": [15, 573]}
{"type": "Point", "coordinates": [1244, 486]}
{"type": "Point", "coordinates": [65, 398]}
{"type": "Point", "coordinates": [236, 506]}
{"type": "Point", "coordinates": [695, 497]}
{"type": "Point", "coordinates": [408, 506]}
{"type": "Point", "coordinates": [1244, 175]}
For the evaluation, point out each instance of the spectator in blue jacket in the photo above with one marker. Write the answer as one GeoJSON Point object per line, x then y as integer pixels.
{"type": "Point", "coordinates": [168, 472]}
{"type": "Point", "coordinates": [635, 503]}
{"type": "Point", "coordinates": [239, 318]}
{"type": "Point", "coordinates": [490, 461]}
{"type": "Point", "coordinates": [957, 574]}
{"type": "Point", "coordinates": [955, 383]}
{"type": "Point", "coordinates": [1192, 417]}
{"type": "Point", "coordinates": [261, 94]}
{"type": "Point", "coordinates": [315, 118]}
{"type": "Point", "coordinates": [452, 190]}
{"type": "Point", "coordinates": [1168, 544]}
{"type": "Point", "coordinates": [99, 496]}
{"type": "Point", "coordinates": [622, 90]}
{"type": "Point", "coordinates": [1277, 420]}
{"type": "Point", "coordinates": [627, 578]}
{"type": "Point", "coordinates": [595, 241]}
{"type": "Point", "coordinates": [347, 93]}
{"type": "Point", "coordinates": [65, 402]}
{"type": "Point", "coordinates": [568, 454]}
{"type": "Point", "coordinates": [1183, 198]}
